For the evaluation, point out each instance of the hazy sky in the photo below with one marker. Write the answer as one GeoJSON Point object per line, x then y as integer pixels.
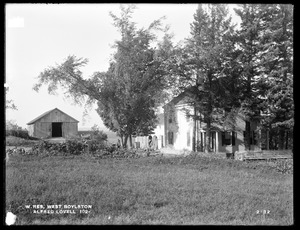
{"type": "Point", "coordinates": [42, 35]}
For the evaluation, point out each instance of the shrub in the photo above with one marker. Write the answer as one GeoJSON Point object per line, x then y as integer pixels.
{"type": "Point", "coordinates": [77, 147]}
{"type": "Point", "coordinates": [12, 129]}
{"type": "Point", "coordinates": [96, 146]}
{"type": "Point", "coordinates": [70, 147]}
{"type": "Point", "coordinates": [22, 133]}
{"type": "Point", "coordinates": [97, 134]}
{"type": "Point", "coordinates": [73, 147]}
{"type": "Point", "coordinates": [284, 166]}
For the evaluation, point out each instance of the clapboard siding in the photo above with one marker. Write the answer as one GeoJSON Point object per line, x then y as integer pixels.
{"type": "Point", "coordinates": [57, 116]}
{"type": "Point", "coordinates": [69, 129]}
{"type": "Point", "coordinates": [42, 129]}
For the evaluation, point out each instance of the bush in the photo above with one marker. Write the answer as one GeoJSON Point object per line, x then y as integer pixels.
{"type": "Point", "coordinates": [96, 146]}
{"type": "Point", "coordinates": [22, 133]}
{"type": "Point", "coordinates": [77, 147]}
{"type": "Point", "coordinates": [12, 129]}
{"type": "Point", "coordinates": [284, 166]}
{"type": "Point", "coordinates": [70, 147]}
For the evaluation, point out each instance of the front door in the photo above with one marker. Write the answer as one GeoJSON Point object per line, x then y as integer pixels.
{"type": "Point", "coordinates": [56, 129]}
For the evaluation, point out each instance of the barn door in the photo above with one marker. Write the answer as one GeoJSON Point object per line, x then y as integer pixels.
{"type": "Point", "coordinates": [56, 129]}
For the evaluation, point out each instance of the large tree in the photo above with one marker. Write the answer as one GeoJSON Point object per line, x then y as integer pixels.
{"type": "Point", "coordinates": [265, 39]}
{"type": "Point", "coordinates": [201, 62]}
{"type": "Point", "coordinates": [252, 78]}
{"type": "Point", "coordinates": [9, 104]}
{"type": "Point", "coordinates": [277, 63]}
{"type": "Point", "coordinates": [127, 94]}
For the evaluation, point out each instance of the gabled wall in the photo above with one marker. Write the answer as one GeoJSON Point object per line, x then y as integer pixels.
{"type": "Point", "coordinates": [42, 128]}
{"type": "Point", "coordinates": [56, 116]}
{"type": "Point", "coordinates": [177, 122]}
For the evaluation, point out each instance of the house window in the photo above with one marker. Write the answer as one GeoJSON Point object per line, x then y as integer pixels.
{"type": "Point", "coordinates": [253, 138]}
{"type": "Point", "coordinates": [233, 135]}
{"type": "Point", "coordinates": [170, 138]}
{"type": "Point", "coordinates": [170, 119]}
{"type": "Point", "coordinates": [187, 118]}
{"type": "Point", "coordinates": [228, 138]}
{"type": "Point", "coordinates": [188, 138]}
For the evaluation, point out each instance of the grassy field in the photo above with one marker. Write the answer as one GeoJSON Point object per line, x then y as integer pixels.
{"type": "Point", "coordinates": [152, 190]}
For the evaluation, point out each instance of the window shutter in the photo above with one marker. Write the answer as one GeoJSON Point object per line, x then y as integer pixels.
{"type": "Point", "coordinates": [223, 138]}
{"type": "Point", "coordinates": [170, 137]}
{"type": "Point", "coordinates": [233, 138]}
{"type": "Point", "coordinates": [254, 138]}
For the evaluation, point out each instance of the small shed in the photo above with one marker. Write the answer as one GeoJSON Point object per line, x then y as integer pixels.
{"type": "Point", "coordinates": [54, 123]}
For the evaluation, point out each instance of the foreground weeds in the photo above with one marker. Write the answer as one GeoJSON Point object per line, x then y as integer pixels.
{"type": "Point", "coordinates": [189, 190]}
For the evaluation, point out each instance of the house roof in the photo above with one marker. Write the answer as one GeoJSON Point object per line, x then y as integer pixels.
{"type": "Point", "coordinates": [188, 93]}
{"type": "Point", "coordinates": [46, 113]}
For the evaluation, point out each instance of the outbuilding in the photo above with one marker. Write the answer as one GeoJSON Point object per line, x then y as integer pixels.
{"type": "Point", "coordinates": [53, 123]}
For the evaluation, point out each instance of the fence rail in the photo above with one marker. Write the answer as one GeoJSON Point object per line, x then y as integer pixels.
{"type": "Point", "coordinates": [264, 155]}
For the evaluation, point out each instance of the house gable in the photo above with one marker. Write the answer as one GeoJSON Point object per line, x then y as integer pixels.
{"type": "Point", "coordinates": [54, 115]}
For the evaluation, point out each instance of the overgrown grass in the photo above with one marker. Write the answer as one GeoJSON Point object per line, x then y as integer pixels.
{"type": "Point", "coordinates": [18, 141]}
{"type": "Point", "coordinates": [153, 190]}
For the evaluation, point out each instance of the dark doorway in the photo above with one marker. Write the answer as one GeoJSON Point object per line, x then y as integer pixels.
{"type": "Point", "coordinates": [56, 129]}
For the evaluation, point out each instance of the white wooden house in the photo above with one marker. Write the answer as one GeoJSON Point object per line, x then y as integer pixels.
{"type": "Point", "coordinates": [181, 130]}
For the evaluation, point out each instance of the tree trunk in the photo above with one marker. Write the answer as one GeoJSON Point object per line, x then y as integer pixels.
{"type": "Point", "coordinates": [209, 113]}
{"type": "Point", "coordinates": [247, 136]}
{"type": "Point", "coordinates": [281, 139]}
{"type": "Point", "coordinates": [125, 141]}
{"type": "Point", "coordinates": [287, 140]}
{"type": "Point", "coordinates": [259, 138]}
{"type": "Point", "coordinates": [194, 131]}
{"type": "Point", "coordinates": [208, 136]}
{"type": "Point", "coordinates": [271, 146]}
{"type": "Point", "coordinates": [267, 140]}
{"type": "Point", "coordinates": [130, 141]}
{"type": "Point", "coordinates": [201, 140]}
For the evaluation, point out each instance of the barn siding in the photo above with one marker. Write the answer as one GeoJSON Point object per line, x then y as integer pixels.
{"type": "Point", "coordinates": [69, 129]}
{"type": "Point", "coordinates": [42, 127]}
{"type": "Point", "coordinates": [56, 116]}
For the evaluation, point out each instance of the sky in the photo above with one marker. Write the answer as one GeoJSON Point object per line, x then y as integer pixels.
{"type": "Point", "coordinates": [38, 36]}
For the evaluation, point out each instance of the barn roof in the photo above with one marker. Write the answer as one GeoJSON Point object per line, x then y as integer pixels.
{"type": "Point", "coordinates": [46, 113]}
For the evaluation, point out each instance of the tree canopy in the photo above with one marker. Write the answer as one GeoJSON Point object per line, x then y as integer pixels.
{"type": "Point", "coordinates": [246, 69]}
{"type": "Point", "coordinates": [129, 92]}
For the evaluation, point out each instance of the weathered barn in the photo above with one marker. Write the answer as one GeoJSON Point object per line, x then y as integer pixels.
{"type": "Point", "coordinates": [54, 123]}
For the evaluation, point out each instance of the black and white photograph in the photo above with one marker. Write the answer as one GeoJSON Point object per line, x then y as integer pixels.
{"type": "Point", "coordinates": [175, 114]}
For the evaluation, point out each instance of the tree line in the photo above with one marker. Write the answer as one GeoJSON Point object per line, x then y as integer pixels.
{"type": "Point", "coordinates": [246, 68]}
